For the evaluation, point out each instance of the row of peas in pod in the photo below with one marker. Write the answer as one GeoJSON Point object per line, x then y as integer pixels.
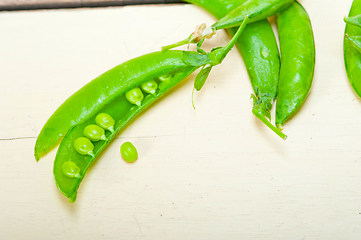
{"type": "Point", "coordinates": [135, 96]}
{"type": "Point", "coordinates": [84, 145]}
{"type": "Point", "coordinates": [103, 121]}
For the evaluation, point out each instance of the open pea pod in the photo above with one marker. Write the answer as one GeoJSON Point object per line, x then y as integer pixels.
{"type": "Point", "coordinates": [96, 94]}
{"type": "Point", "coordinates": [122, 111]}
{"type": "Point", "coordinates": [114, 107]}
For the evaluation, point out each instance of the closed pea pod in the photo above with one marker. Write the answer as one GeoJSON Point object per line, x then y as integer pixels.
{"type": "Point", "coordinates": [352, 56]}
{"type": "Point", "coordinates": [259, 50]}
{"type": "Point", "coordinates": [297, 61]}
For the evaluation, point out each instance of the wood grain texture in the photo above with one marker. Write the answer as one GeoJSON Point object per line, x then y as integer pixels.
{"type": "Point", "coordinates": [211, 173]}
{"type": "Point", "coordinates": [7, 5]}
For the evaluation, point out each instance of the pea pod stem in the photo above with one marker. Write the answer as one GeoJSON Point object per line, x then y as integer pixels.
{"type": "Point", "coordinates": [258, 112]}
{"type": "Point", "coordinates": [226, 49]}
{"type": "Point", "coordinates": [216, 56]}
{"type": "Point", "coordinates": [178, 44]}
{"type": "Point", "coordinates": [261, 117]}
{"type": "Point", "coordinates": [220, 55]}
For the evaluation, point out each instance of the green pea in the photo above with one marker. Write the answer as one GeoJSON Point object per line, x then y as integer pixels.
{"type": "Point", "coordinates": [70, 169]}
{"type": "Point", "coordinates": [165, 77]}
{"type": "Point", "coordinates": [84, 146]}
{"type": "Point", "coordinates": [105, 121]}
{"type": "Point", "coordinates": [94, 133]}
{"type": "Point", "coordinates": [129, 152]}
{"type": "Point", "coordinates": [135, 96]}
{"type": "Point", "coordinates": [149, 86]}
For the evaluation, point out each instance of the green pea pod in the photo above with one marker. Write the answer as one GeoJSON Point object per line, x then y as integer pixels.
{"type": "Point", "coordinates": [258, 47]}
{"type": "Point", "coordinates": [255, 9]}
{"type": "Point", "coordinates": [111, 84]}
{"type": "Point", "coordinates": [352, 56]}
{"type": "Point", "coordinates": [122, 110]}
{"type": "Point", "coordinates": [97, 93]}
{"type": "Point", "coordinates": [297, 61]}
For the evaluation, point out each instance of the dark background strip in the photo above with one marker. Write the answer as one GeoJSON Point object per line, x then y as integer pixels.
{"type": "Point", "coordinates": [14, 5]}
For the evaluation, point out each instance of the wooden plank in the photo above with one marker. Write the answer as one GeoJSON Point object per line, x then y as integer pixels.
{"type": "Point", "coordinates": [12, 5]}
{"type": "Point", "coordinates": [215, 172]}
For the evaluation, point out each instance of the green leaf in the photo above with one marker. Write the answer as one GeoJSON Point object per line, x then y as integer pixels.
{"type": "Point", "coordinates": [202, 77]}
{"type": "Point", "coordinates": [195, 59]}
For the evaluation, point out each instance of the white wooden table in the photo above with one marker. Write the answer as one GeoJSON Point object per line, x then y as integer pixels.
{"type": "Point", "coordinates": [211, 173]}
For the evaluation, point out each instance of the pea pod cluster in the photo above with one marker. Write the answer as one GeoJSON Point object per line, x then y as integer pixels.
{"type": "Point", "coordinates": [352, 46]}
{"type": "Point", "coordinates": [289, 80]}
{"type": "Point", "coordinates": [88, 120]}
{"type": "Point", "coordinates": [258, 47]}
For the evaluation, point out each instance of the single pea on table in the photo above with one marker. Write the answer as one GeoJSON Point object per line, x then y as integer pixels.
{"type": "Point", "coordinates": [129, 152]}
